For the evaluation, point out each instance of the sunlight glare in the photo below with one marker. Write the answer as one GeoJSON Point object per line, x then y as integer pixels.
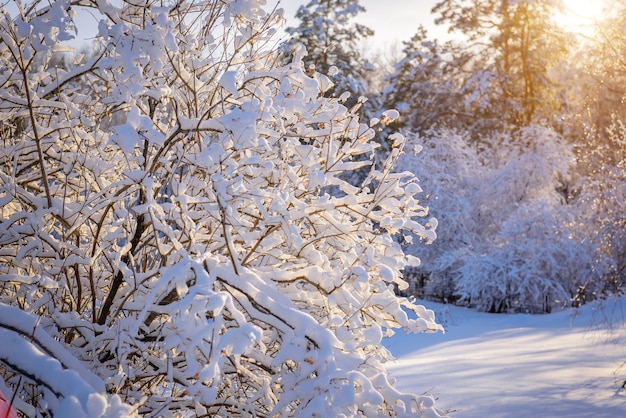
{"type": "Point", "coordinates": [580, 16]}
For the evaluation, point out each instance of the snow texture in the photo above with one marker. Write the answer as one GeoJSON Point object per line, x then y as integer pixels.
{"type": "Point", "coordinates": [564, 364]}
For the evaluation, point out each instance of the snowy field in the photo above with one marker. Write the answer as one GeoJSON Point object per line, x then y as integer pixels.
{"type": "Point", "coordinates": [565, 364]}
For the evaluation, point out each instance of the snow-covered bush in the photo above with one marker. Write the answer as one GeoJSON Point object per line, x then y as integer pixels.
{"type": "Point", "coordinates": [169, 245]}
{"type": "Point", "coordinates": [507, 240]}
{"type": "Point", "coordinates": [601, 210]}
{"type": "Point", "coordinates": [451, 171]}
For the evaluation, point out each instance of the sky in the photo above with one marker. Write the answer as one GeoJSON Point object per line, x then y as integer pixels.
{"type": "Point", "coordinates": [396, 20]}
{"type": "Point", "coordinates": [393, 21]}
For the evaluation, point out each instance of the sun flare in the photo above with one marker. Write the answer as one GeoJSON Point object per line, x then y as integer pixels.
{"type": "Point", "coordinates": [580, 16]}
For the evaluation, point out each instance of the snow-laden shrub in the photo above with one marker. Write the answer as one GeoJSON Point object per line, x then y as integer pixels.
{"type": "Point", "coordinates": [168, 242]}
{"type": "Point", "coordinates": [451, 172]}
{"type": "Point", "coordinates": [601, 211]}
{"type": "Point", "coordinates": [507, 239]}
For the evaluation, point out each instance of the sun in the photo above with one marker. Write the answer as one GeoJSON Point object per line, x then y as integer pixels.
{"type": "Point", "coordinates": [580, 16]}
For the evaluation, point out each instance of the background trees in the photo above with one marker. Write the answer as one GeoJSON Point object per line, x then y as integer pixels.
{"type": "Point", "coordinates": [331, 38]}
{"type": "Point", "coordinates": [176, 236]}
{"type": "Point", "coordinates": [515, 43]}
{"type": "Point", "coordinates": [519, 152]}
{"type": "Point", "coordinates": [426, 84]}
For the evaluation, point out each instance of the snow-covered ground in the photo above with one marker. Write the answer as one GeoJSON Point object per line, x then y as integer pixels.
{"type": "Point", "coordinates": [565, 364]}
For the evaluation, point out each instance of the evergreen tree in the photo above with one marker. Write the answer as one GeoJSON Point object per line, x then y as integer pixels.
{"type": "Point", "coordinates": [331, 41]}
{"type": "Point", "coordinates": [426, 85]}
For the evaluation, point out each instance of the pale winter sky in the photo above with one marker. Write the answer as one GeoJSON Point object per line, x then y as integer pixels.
{"type": "Point", "coordinates": [393, 21]}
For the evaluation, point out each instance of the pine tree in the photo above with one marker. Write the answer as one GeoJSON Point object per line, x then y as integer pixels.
{"type": "Point", "coordinates": [426, 85]}
{"type": "Point", "coordinates": [331, 41]}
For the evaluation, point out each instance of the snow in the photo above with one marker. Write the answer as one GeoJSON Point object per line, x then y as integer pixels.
{"type": "Point", "coordinates": [229, 82]}
{"type": "Point", "coordinates": [564, 364]}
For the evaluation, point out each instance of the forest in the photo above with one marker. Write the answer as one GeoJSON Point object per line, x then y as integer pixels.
{"type": "Point", "coordinates": [207, 210]}
{"type": "Point", "coordinates": [521, 129]}
{"type": "Point", "coordinates": [516, 133]}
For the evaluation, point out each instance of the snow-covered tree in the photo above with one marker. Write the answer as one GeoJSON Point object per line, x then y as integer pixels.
{"type": "Point", "coordinates": [515, 44]}
{"type": "Point", "coordinates": [176, 238]}
{"type": "Point", "coordinates": [600, 202]}
{"type": "Point", "coordinates": [331, 40]}
{"type": "Point", "coordinates": [426, 85]}
{"type": "Point", "coordinates": [506, 240]}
